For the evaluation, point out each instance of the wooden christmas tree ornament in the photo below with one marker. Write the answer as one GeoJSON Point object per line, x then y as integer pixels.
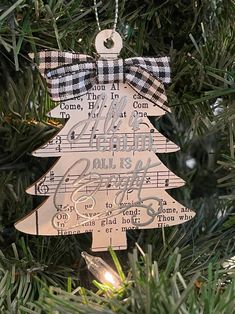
{"type": "Point", "coordinates": [108, 178]}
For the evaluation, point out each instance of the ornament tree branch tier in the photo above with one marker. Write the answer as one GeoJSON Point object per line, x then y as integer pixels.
{"type": "Point", "coordinates": [108, 178]}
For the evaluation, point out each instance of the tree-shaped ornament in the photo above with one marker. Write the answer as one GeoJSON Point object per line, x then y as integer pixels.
{"type": "Point", "coordinates": [108, 178]}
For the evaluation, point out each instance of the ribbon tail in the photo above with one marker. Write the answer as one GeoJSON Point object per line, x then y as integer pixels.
{"type": "Point", "coordinates": [147, 86]}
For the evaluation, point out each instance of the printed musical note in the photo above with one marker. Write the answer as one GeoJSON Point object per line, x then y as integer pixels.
{"type": "Point", "coordinates": [66, 180]}
{"type": "Point", "coordinates": [58, 148]}
{"type": "Point", "coordinates": [72, 136]}
{"type": "Point", "coordinates": [108, 187]}
{"type": "Point", "coordinates": [166, 182]}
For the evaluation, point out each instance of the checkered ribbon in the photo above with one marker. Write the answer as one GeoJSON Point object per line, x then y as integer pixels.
{"type": "Point", "coordinates": [70, 75]}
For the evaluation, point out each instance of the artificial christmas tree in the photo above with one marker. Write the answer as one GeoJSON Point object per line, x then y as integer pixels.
{"type": "Point", "coordinates": [184, 267]}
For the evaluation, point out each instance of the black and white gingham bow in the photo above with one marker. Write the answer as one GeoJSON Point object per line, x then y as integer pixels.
{"type": "Point", "coordinates": [70, 75]}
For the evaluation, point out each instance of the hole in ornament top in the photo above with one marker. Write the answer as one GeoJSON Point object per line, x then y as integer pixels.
{"type": "Point", "coordinates": [109, 43]}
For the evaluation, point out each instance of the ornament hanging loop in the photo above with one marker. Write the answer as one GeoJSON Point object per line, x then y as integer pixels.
{"type": "Point", "coordinates": [107, 47]}
{"type": "Point", "coordinates": [115, 18]}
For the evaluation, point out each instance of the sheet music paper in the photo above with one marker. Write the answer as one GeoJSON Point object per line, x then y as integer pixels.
{"type": "Point", "coordinates": [108, 178]}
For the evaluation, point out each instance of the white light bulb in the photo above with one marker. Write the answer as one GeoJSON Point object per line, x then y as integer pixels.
{"type": "Point", "coordinates": [101, 270]}
{"type": "Point", "coordinates": [108, 276]}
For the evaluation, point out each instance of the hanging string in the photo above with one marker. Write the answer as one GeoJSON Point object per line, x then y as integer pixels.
{"type": "Point", "coordinates": [115, 18]}
{"type": "Point", "coordinates": [97, 16]}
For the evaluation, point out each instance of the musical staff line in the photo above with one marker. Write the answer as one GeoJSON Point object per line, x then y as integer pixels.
{"type": "Point", "coordinates": [157, 179]}
{"type": "Point", "coordinates": [126, 142]}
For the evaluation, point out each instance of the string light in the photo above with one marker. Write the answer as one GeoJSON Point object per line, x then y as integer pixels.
{"type": "Point", "coordinates": [101, 270]}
